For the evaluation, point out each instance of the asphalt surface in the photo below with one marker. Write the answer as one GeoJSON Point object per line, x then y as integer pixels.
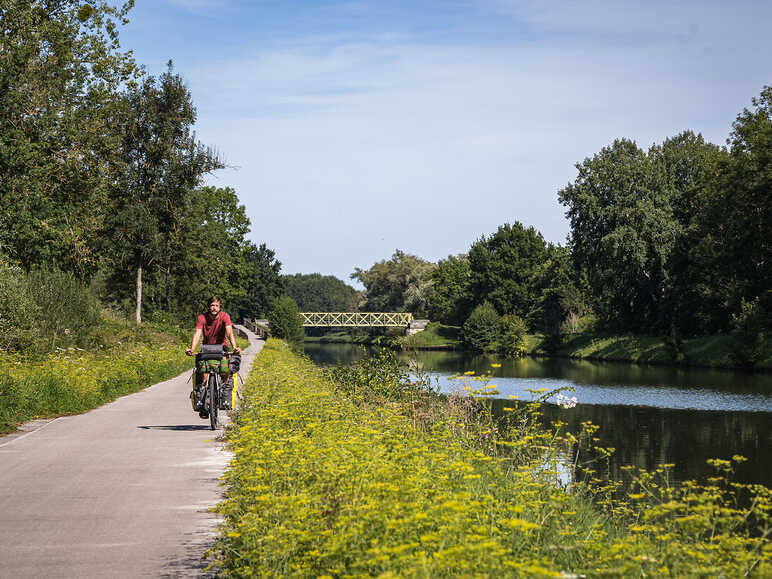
{"type": "Point", "coordinates": [121, 491]}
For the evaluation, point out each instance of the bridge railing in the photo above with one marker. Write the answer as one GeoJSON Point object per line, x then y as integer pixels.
{"type": "Point", "coordinates": [356, 319]}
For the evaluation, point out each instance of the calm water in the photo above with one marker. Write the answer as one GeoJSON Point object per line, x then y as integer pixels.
{"type": "Point", "coordinates": [650, 414]}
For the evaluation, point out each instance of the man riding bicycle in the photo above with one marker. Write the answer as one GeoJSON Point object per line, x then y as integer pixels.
{"type": "Point", "coordinates": [215, 328]}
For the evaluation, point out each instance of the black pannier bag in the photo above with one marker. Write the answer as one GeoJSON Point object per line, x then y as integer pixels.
{"type": "Point", "coordinates": [212, 352]}
{"type": "Point", "coordinates": [227, 394]}
{"type": "Point", "coordinates": [235, 364]}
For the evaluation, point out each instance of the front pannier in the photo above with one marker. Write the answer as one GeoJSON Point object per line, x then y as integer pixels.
{"type": "Point", "coordinates": [235, 363]}
{"type": "Point", "coordinates": [212, 352]}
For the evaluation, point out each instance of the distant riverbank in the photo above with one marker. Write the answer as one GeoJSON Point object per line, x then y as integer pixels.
{"type": "Point", "coordinates": [706, 351]}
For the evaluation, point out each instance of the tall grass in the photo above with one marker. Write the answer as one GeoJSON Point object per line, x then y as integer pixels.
{"type": "Point", "coordinates": [362, 473]}
{"type": "Point", "coordinates": [46, 309]}
{"type": "Point", "coordinates": [73, 380]}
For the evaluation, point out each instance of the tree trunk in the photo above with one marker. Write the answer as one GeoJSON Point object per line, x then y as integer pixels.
{"type": "Point", "coordinates": [139, 295]}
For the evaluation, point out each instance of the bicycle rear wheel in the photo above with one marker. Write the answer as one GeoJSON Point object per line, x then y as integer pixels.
{"type": "Point", "coordinates": [213, 401]}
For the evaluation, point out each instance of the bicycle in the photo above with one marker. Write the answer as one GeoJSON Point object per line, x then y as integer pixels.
{"type": "Point", "coordinates": [211, 358]}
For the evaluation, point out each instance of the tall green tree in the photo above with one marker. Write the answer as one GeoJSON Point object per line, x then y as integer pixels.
{"type": "Point", "coordinates": [285, 320]}
{"type": "Point", "coordinates": [623, 231]}
{"type": "Point", "coordinates": [736, 232]}
{"type": "Point", "coordinates": [60, 72]}
{"type": "Point", "coordinates": [264, 282]}
{"type": "Point", "coordinates": [321, 293]}
{"type": "Point", "coordinates": [450, 300]}
{"type": "Point", "coordinates": [163, 164]}
{"type": "Point", "coordinates": [211, 258]}
{"type": "Point", "coordinates": [503, 267]}
{"type": "Point", "coordinates": [400, 284]}
{"type": "Point", "coordinates": [690, 303]}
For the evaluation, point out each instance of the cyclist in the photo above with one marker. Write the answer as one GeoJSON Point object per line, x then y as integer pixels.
{"type": "Point", "coordinates": [214, 327]}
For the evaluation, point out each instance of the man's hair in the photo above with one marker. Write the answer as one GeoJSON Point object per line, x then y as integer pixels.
{"type": "Point", "coordinates": [212, 300]}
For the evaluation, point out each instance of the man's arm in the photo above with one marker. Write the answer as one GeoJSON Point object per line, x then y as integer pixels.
{"type": "Point", "coordinates": [196, 339]}
{"type": "Point", "coordinates": [232, 338]}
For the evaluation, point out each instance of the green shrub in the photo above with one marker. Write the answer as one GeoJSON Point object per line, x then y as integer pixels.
{"type": "Point", "coordinates": [44, 310]}
{"type": "Point", "coordinates": [481, 329]}
{"type": "Point", "coordinates": [380, 374]}
{"type": "Point", "coordinates": [748, 333]}
{"type": "Point", "coordinates": [511, 342]}
{"type": "Point", "coordinates": [19, 313]}
{"type": "Point", "coordinates": [285, 320]}
{"type": "Point", "coordinates": [70, 311]}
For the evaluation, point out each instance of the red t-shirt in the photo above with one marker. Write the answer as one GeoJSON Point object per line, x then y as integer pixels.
{"type": "Point", "coordinates": [213, 327]}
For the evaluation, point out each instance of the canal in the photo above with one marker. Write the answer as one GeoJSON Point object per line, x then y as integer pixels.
{"type": "Point", "coordinates": [651, 415]}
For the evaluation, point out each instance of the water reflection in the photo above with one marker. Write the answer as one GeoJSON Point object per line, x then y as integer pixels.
{"type": "Point", "coordinates": [649, 437]}
{"type": "Point", "coordinates": [650, 415]}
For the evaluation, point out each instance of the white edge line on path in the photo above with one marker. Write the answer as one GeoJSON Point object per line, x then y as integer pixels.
{"type": "Point", "coordinates": [26, 434]}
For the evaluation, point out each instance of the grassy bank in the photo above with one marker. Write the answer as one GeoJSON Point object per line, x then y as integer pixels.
{"type": "Point", "coordinates": [359, 474]}
{"type": "Point", "coordinates": [74, 380]}
{"type": "Point", "coordinates": [708, 351]}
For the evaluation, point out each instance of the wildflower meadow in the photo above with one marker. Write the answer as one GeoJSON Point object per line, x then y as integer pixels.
{"type": "Point", "coordinates": [362, 471]}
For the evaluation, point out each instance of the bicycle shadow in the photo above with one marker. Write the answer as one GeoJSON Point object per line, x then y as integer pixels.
{"type": "Point", "coordinates": [177, 427]}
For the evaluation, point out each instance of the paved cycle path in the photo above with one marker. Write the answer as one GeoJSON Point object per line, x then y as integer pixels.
{"type": "Point", "coordinates": [120, 491]}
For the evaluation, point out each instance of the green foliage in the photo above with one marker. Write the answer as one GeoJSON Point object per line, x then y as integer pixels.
{"type": "Point", "coordinates": [264, 283]}
{"type": "Point", "coordinates": [674, 237]}
{"type": "Point", "coordinates": [400, 284]}
{"type": "Point", "coordinates": [212, 256]}
{"type": "Point", "coordinates": [60, 72]}
{"type": "Point", "coordinates": [734, 226]}
{"type": "Point", "coordinates": [285, 320]}
{"type": "Point", "coordinates": [748, 332]}
{"type": "Point", "coordinates": [100, 168]}
{"type": "Point", "coordinates": [45, 309]}
{"type": "Point", "coordinates": [622, 232]}
{"type": "Point", "coordinates": [450, 299]}
{"type": "Point", "coordinates": [19, 312]}
{"type": "Point", "coordinates": [321, 293]}
{"type": "Point", "coordinates": [71, 314]}
{"type": "Point", "coordinates": [481, 328]}
{"type": "Point", "coordinates": [379, 375]}
{"type": "Point", "coordinates": [511, 339]}
{"type": "Point", "coordinates": [503, 267]}
{"type": "Point", "coordinates": [560, 302]}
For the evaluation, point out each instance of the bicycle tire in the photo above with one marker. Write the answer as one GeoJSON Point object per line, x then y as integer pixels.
{"type": "Point", "coordinates": [213, 400]}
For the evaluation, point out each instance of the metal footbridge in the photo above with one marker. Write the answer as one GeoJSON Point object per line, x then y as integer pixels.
{"type": "Point", "coordinates": [356, 319]}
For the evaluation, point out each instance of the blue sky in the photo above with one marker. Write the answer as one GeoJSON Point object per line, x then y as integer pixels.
{"type": "Point", "coordinates": [355, 128]}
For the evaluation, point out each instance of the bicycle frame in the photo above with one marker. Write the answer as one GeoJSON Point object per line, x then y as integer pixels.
{"type": "Point", "coordinates": [213, 384]}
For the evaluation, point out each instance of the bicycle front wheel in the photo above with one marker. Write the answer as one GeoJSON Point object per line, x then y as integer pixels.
{"type": "Point", "coordinates": [213, 400]}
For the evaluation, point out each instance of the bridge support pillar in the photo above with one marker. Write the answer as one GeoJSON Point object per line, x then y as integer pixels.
{"type": "Point", "coordinates": [416, 326]}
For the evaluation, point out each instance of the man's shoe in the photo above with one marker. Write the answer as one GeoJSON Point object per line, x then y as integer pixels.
{"type": "Point", "coordinates": [203, 414]}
